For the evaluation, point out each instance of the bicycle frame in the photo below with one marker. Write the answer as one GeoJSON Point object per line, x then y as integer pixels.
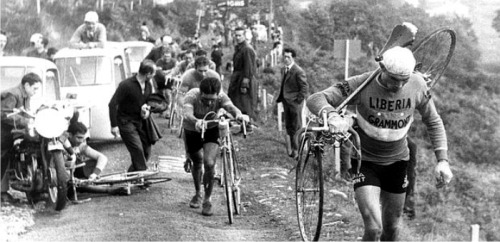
{"type": "Point", "coordinates": [230, 176]}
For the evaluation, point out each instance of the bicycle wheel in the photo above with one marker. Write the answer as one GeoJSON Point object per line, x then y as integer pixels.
{"type": "Point", "coordinates": [124, 177]}
{"type": "Point", "coordinates": [433, 54]}
{"type": "Point", "coordinates": [309, 190]}
{"type": "Point", "coordinates": [228, 186]}
{"type": "Point", "coordinates": [236, 180]}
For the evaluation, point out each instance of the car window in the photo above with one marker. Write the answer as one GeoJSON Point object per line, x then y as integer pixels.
{"type": "Point", "coordinates": [84, 71]}
{"type": "Point", "coordinates": [11, 76]}
{"type": "Point", "coordinates": [51, 86]}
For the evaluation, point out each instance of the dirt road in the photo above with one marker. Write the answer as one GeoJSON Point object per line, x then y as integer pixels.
{"type": "Point", "coordinates": [163, 213]}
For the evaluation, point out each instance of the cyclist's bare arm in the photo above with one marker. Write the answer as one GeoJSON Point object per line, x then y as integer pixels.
{"type": "Point", "coordinates": [188, 113]}
{"type": "Point", "coordinates": [333, 96]}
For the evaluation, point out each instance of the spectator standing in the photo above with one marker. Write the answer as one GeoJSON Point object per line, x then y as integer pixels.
{"type": "Point", "coordinates": [51, 52]}
{"type": "Point", "coordinates": [128, 112]}
{"type": "Point", "coordinates": [17, 97]}
{"type": "Point", "coordinates": [91, 34]}
{"type": "Point", "coordinates": [39, 44]}
{"type": "Point", "coordinates": [216, 56]}
{"type": "Point", "coordinates": [145, 35]}
{"type": "Point", "coordinates": [293, 91]}
{"type": "Point", "coordinates": [243, 87]}
{"type": "Point", "coordinates": [3, 42]}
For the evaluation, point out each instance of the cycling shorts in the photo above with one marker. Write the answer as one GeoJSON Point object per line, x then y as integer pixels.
{"type": "Point", "coordinates": [390, 178]}
{"type": "Point", "coordinates": [194, 142]}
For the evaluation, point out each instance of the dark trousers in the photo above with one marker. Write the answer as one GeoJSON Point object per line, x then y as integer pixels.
{"type": "Point", "coordinates": [293, 119]}
{"type": "Point", "coordinates": [411, 173]}
{"type": "Point", "coordinates": [135, 138]}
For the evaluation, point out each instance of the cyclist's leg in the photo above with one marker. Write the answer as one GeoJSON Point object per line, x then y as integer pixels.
{"type": "Point", "coordinates": [367, 193]}
{"type": "Point", "coordinates": [196, 170]}
{"type": "Point", "coordinates": [393, 184]}
{"type": "Point", "coordinates": [210, 151]}
{"type": "Point", "coordinates": [368, 199]}
{"type": "Point", "coordinates": [392, 208]}
{"type": "Point", "coordinates": [194, 145]}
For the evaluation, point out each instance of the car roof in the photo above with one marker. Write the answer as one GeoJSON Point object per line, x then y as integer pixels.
{"type": "Point", "coordinates": [27, 61]}
{"type": "Point", "coordinates": [69, 52]}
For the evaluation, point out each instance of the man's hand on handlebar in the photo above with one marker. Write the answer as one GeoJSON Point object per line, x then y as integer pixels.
{"type": "Point", "coordinates": [199, 125]}
{"type": "Point", "coordinates": [338, 123]}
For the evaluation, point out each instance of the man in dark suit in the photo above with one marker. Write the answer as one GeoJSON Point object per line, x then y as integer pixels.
{"type": "Point", "coordinates": [294, 88]}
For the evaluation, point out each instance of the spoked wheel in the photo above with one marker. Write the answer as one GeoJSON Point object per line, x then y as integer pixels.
{"type": "Point", "coordinates": [433, 54]}
{"type": "Point", "coordinates": [57, 187]}
{"type": "Point", "coordinates": [228, 186]}
{"type": "Point", "coordinates": [236, 182]}
{"type": "Point", "coordinates": [309, 190]}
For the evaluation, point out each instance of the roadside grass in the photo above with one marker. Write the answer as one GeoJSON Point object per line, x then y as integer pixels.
{"type": "Point", "coordinates": [473, 197]}
{"type": "Point", "coordinates": [445, 214]}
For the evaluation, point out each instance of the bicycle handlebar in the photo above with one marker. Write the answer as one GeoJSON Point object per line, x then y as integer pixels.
{"type": "Point", "coordinates": [224, 120]}
{"type": "Point", "coordinates": [354, 134]}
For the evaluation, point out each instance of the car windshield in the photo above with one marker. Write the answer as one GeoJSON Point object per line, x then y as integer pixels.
{"type": "Point", "coordinates": [84, 71]}
{"type": "Point", "coordinates": [11, 75]}
{"type": "Point", "coordinates": [137, 53]}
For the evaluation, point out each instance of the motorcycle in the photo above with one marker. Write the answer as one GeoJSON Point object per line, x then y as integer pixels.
{"type": "Point", "coordinates": [37, 165]}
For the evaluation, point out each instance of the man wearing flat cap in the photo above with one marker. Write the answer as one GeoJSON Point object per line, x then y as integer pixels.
{"type": "Point", "coordinates": [91, 34]}
{"type": "Point", "coordinates": [384, 113]}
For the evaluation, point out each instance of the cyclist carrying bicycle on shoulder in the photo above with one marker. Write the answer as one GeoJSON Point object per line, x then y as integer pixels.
{"type": "Point", "coordinates": [197, 103]}
{"type": "Point", "coordinates": [384, 110]}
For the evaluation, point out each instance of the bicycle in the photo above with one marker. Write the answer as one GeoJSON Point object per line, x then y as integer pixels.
{"type": "Point", "coordinates": [110, 182]}
{"type": "Point", "coordinates": [309, 185]}
{"type": "Point", "coordinates": [433, 54]}
{"type": "Point", "coordinates": [230, 177]}
{"type": "Point", "coordinates": [176, 117]}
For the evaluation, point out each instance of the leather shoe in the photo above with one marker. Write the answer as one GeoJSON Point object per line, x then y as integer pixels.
{"type": "Point", "coordinates": [294, 154]}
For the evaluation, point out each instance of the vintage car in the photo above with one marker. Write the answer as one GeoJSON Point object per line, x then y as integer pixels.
{"type": "Point", "coordinates": [134, 52]}
{"type": "Point", "coordinates": [90, 78]}
{"type": "Point", "coordinates": [13, 68]}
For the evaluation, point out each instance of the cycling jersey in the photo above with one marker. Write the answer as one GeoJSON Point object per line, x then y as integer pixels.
{"type": "Point", "coordinates": [385, 117]}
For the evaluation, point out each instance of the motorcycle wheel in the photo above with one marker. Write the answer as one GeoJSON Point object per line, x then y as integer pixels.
{"type": "Point", "coordinates": [57, 187]}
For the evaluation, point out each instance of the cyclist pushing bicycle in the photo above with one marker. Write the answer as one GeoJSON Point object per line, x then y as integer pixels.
{"type": "Point", "coordinates": [203, 151]}
{"type": "Point", "coordinates": [384, 110]}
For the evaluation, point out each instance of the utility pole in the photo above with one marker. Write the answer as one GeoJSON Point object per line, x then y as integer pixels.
{"type": "Point", "coordinates": [271, 18]}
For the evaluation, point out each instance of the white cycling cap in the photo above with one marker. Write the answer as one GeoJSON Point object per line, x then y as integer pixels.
{"type": "Point", "coordinates": [399, 61]}
{"type": "Point", "coordinates": [91, 16]}
{"type": "Point", "coordinates": [36, 38]}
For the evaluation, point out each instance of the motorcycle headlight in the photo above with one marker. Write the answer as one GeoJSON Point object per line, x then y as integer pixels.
{"type": "Point", "coordinates": [50, 123]}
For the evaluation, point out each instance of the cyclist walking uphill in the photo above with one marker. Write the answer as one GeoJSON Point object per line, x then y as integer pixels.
{"type": "Point", "coordinates": [197, 103]}
{"type": "Point", "coordinates": [385, 110]}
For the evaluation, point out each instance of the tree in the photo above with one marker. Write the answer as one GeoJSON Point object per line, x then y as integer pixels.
{"type": "Point", "coordinates": [496, 21]}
